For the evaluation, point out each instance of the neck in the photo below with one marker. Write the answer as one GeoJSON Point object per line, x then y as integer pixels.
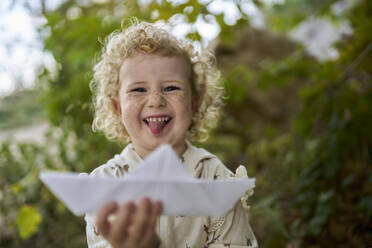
{"type": "Point", "coordinates": [143, 152]}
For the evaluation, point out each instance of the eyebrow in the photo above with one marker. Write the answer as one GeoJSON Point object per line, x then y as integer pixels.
{"type": "Point", "coordinates": [172, 80]}
{"type": "Point", "coordinates": [144, 82]}
{"type": "Point", "coordinates": [136, 82]}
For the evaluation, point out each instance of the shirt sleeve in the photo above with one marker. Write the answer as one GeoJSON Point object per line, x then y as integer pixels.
{"type": "Point", "coordinates": [94, 239]}
{"type": "Point", "coordinates": [233, 230]}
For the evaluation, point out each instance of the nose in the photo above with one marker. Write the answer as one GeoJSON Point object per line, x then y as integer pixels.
{"type": "Point", "coordinates": [156, 99]}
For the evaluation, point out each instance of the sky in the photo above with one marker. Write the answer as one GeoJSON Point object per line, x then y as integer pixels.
{"type": "Point", "coordinates": [21, 48]}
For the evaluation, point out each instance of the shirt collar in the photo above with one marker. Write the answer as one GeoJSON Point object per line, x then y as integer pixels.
{"type": "Point", "coordinates": [190, 158]}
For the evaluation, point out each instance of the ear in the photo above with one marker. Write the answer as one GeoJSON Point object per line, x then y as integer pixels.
{"type": "Point", "coordinates": [116, 105]}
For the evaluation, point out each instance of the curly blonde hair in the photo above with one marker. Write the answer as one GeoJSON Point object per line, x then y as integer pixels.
{"type": "Point", "coordinates": [144, 37]}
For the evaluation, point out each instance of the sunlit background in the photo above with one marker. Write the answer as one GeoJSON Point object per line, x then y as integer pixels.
{"type": "Point", "coordinates": [22, 54]}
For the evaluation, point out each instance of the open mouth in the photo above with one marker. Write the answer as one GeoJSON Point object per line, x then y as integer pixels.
{"type": "Point", "coordinates": [158, 123]}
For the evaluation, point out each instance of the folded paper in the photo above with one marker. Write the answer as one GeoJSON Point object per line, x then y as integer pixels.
{"type": "Point", "coordinates": [161, 176]}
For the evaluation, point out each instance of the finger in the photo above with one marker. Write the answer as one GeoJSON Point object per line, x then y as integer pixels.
{"type": "Point", "coordinates": [155, 241]}
{"type": "Point", "coordinates": [141, 220]}
{"type": "Point", "coordinates": [151, 238]}
{"type": "Point", "coordinates": [156, 211]}
{"type": "Point", "coordinates": [159, 207]}
{"type": "Point", "coordinates": [123, 220]}
{"type": "Point", "coordinates": [102, 223]}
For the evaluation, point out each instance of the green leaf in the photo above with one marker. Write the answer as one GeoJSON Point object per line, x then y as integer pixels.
{"type": "Point", "coordinates": [16, 188]}
{"type": "Point", "coordinates": [28, 220]}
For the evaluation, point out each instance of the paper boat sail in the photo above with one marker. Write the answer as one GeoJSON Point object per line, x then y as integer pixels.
{"type": "Point", "coordinates": [161, 176]}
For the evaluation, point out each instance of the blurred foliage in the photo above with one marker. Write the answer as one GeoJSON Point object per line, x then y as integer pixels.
{"type": "Point", "coordinates": [301, 126]}
{"type": "Point", "coordinates": [284, 17]}
{"type": "Point", "coordinates": [21, 108]}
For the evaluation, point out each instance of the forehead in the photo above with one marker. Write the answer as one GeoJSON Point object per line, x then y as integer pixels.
{"type": "Point", "coordinates": [149, 66]}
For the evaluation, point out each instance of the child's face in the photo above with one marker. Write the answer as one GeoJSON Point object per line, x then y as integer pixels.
{"type": "Point", "coordinates": [155, 101]}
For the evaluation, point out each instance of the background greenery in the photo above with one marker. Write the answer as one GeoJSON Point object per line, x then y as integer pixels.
{"type": "Point", "coordinates": [301, 126]}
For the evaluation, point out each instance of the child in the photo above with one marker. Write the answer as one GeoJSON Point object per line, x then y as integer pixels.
{"type": "Point", "coordinates": [151, 88]}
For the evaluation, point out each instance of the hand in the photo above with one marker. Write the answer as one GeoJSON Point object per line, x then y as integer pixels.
{"type": "Point", "coordinates": [134, 225]}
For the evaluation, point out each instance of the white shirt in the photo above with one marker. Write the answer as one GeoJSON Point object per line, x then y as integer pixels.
{"type": "Point", "coordinates": [232, 230]}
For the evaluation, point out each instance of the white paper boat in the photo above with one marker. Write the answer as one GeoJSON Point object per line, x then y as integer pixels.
{"type": "Point", "coordinates": [161, 176]}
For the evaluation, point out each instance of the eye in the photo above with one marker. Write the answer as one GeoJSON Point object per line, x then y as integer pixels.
{"type": "Point", "coordinates": [171, 88]}
{"type": "Point", "coordinates": [138, 89]}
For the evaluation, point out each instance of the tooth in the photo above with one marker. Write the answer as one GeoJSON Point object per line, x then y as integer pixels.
{"type": "Point", "coordinates": [157, 119]}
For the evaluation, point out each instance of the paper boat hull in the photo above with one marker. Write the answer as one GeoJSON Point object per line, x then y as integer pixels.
{"type": "Point", "coordinates": [191, 198]}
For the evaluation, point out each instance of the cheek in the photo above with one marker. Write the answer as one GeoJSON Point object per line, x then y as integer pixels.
{"type": "Point", "coordinates": [130, 110]}
{"type": "Point", "coordinates": [183, 107]}
{"type": "Point", "coordinates": [182, 101]}
{"type": "Point", "coordinates": [131, 102]}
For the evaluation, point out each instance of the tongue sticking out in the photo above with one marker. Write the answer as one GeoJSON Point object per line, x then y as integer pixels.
{"type": "Point", "coordinates": [156, 126]}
